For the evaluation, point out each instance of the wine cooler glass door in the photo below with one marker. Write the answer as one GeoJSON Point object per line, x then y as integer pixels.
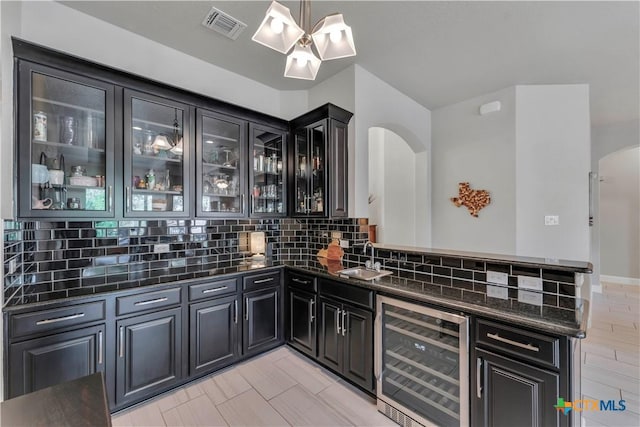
{"type": "Point", "coordinates": [423, 362]}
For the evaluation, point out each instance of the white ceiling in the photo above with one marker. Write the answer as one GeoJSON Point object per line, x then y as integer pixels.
{"type": "Point", "coordinates": [438, 53]}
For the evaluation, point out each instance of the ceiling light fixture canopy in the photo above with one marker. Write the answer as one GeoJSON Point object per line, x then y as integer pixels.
{"type": "Point", "coordinates": [331, 37]}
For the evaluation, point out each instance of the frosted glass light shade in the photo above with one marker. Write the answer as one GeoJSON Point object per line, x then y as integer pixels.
{"type": "Point", "coordinates": [257, 243]}
{"type": "Point", "coordinates": [278, 17]}
{"type": "Point", "coordinates": [302, 63]}
{"type": "Point", "coordinates": [333, 38]}
{"type": "Point", "coordinates": [162, 143]}
{"type": "Point", "coordinates": [178, 149]}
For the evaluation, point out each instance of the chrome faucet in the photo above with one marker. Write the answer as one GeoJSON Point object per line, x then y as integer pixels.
{"type": "Point", "coordinates": [370, 264]}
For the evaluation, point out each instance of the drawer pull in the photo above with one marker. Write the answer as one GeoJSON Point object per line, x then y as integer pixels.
{"type": "Point", "coordinates": [151, 301]}
{"type": "Point", "coordinates": [235, 311]}
{"type": "Point", "coordinates": [246, 309]}
{"type": "Point", "coordinates": [208, 291]}
{"type": "Point", "coordinates": [304, 282]}
{"type": "Point", "coordinates": [270, 279]}
{"type": "Point", "coordinates": [59, 319]}
{"type": "Point", "coordinates": [478, 378]}
{"type": "Point", "coordinates": [516, 343]}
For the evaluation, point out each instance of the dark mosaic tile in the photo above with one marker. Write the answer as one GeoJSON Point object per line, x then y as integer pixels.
{"type": "Point", "coordinates": [462, 284]}
{"type": "Point", "coordinates": [452, 262]}
{"type": "Point", "coordinates": [558, 275]}
{"type": "Point", "coordinates": [462, 274]}
{"type": "Point", "coordinates": [567, 289]}
{"type": "Point", "coordinates": [517, 270]}
{"type": "Point", "coordinates": [549, 287]}
{"type": "Point", "coordinates": [473, 265]}
{"type": "Point", "coordinates": [500, 268]}
{"type": "Point", "coordinates": [442, 271]}
{"type": "Point", "coordinates": [442, 280]}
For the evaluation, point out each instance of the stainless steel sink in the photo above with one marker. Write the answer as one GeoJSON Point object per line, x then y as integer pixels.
{"type": "Point", "coordinates": [363, 273]}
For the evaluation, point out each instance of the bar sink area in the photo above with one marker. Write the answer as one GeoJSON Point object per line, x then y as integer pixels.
{"type": "Point", "coordinates": [363, 273]}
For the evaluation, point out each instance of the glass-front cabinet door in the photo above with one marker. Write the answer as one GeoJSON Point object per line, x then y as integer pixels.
{"type": "Point", "coordinates": [156, 161]}
{"type": "Point", "coordinates": [221, 159]}
{"type": "Point", "coordinates": [310, 173]}
{"type": "Point", "coordinates": [267, 147]}
{"type": "Point", "coordinates": [65, 144]}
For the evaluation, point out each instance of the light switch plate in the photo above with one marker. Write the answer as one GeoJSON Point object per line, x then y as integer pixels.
{"type": "Point", "coordinates": [551, 220]}
{"type": "Point", "coordinates": [527, 282]}
{"type": "Point", "coordinates": [161, 248]}
{"type": "Point", "coordinates": [528, 297]}
{"type": "Point", "coordinates": [497, 292]}
{"type": "Point", "coordinates": [497, 278]}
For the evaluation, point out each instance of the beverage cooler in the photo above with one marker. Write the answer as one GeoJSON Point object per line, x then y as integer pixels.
{"type": "Point", "coordinates": [421, 364]}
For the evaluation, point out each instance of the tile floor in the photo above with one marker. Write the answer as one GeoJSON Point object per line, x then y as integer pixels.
{"type": "Point", "coordinates": [611, 355]}
{"type": "Point", "coordinates": [282, 388]}
{"type": "Point", "coordinates": [279, 388]}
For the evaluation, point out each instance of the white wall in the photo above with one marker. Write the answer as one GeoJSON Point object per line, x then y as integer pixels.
{"type": "Point", "coordinates": [620, 213]}
{"type": "Point", "coordinates": [380, 105]}
{"type": "Point", "coordinates": [376, 181]}
{"type": "Point", "coordinates": [553, 158]}
{"type": "Point", "coordinates": [468, 147]}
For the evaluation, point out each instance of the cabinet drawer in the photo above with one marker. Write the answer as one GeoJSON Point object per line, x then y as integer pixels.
{"type": "Point", "coordinates": [260, 281]}
{"type": "Point", "coordinates": [56, 318]}
{"type": "Point", "coordinates": [302, 281]}
{"type": "Point", "coordinates": [543, 349]}
{"type": "Point", "coordinates": [349, 293]}
{"type": "Point", "coordinates": [147, 301]}
{"type": "Point", "coordinates": [212, 289]}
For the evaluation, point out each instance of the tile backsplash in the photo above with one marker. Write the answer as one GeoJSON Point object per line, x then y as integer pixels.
{"type": "Point", "coordinates": [60, 259]}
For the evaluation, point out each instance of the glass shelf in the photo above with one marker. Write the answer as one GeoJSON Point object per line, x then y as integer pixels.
{"type": "Point", "coordinates": [218, 166]}
{"type": "Point", "coordinates": [66, 105]}
{"type": "Point", "coordinates": [146, 191]}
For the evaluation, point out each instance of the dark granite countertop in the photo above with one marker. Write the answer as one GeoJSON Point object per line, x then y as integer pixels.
{"type": "Point", "coordinates": [557, 264]}
{"type": "Point", "coordinates": [81, 402]}
{"type": "Point", "coordinates": [547, 319]}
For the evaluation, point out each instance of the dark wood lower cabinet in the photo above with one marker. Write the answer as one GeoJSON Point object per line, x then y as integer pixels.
{"type": "Point", "coordinates": [149, 354]}
{"type": "Point", "coordinates": [262, 324]}
{"type": "Point", "coordinates": [213, 334]}
{"type": "Point", "coordinates": [302, 321]}
{"type": "Point", "coordinates": [345, 338]}
{"type": "Point", "coordinates": [512, 393]}
{"type": "Point", "coordinates": [42, 362]}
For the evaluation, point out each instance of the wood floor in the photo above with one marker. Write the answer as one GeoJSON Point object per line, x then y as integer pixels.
{"type": "Point", "coordinates": [282, 388]}
{"type": "Point", "coordinates": [611, 355]}
{"type": "Point", "coordinates": [279, 388]}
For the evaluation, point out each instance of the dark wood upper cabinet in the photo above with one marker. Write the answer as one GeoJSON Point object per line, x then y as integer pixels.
{"type": "Point", "coordinates": [157, 161]}
{"type": "Point", "coordinates": [221, 165]}
{"type": "Point", "coordinates": [267, 165]}
{"type": "Point", "coordinates": [65, 144]}
{"type": "Point", "coordinates": [319, 163]}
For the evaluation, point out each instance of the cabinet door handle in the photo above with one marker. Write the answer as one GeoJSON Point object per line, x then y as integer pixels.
{"type": "Point", "coordinates": [270, 279]}
{"type": "Point", "coordinates": [246, 309]}
{"type": "Point", "coordinates": [100, 348]}
{"type": "Point", "coordinates": [110, 197]}
{"type": "Point", "coordinates": [338, 322]}
{"type": "Point", "coordinates": [235, 311]}
{"type": "Point", "coordinates": [59, 319]}
{"type": "Point", "coordinates": [511, 342]}
{"type": "Point", "coordinates": [303, 282]}
{"type": "Point", "coordinates": [151, 301]}
{"type": "Point", "coordinates": [479, 378]}
{"type": "Point", "coordinates": [311, 316]}
{"type": "Point", "coordinates": [242, 203]}
{"type": "Point", "coordinates": [126, 196]}
{"type": "Point", "coordinates": [121, 341]}
{"type": "Point", "coordinates": [208, 291]}
{"type": "Point", "coordinates": [344, 326]}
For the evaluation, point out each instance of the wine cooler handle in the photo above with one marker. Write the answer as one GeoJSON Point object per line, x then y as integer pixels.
{"type": "Point", "coordinates": [338, 322]}
{"type": "Point", "coordinates": [110, 197]}
{"type": "Point", "coordinates": [377, 357]}
{"type": "Point", "coordinates": [243, 206]}
{"type": "Point", "coordinates": [127, 198]}
{"type": "Point", "coordinates": [479, 378]}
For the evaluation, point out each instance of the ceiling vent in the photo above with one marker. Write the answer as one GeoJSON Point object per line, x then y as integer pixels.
{"type": "Point", "coordinates": [224, 24]}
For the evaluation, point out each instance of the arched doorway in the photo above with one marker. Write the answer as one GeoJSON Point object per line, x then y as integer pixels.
{"type": "Point", "coordinates": [398, 190]}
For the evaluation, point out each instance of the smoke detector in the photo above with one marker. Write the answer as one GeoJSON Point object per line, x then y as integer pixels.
{"type": "Point", "coordinates": [223, 23]}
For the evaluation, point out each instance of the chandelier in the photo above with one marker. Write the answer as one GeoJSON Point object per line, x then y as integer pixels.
{"type": "Point", "coordinates": [331, 38]}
